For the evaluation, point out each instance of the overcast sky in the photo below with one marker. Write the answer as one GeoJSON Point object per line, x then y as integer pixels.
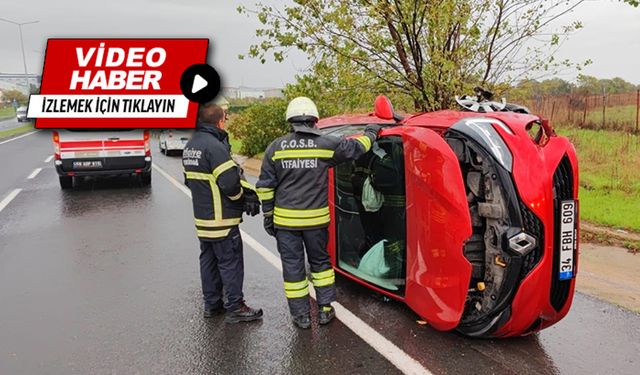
{"type": "Point", "coordinates": [611, 36]}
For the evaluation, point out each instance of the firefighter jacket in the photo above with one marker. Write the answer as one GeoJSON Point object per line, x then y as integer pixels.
{"type": "Point", "coordinates": [215, 183]}
{"type": "Point", "coordinates": [293, 179]}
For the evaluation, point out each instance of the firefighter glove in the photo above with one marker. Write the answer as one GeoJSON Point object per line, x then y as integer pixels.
{"type": "Point", "coordinates": [251, 202]}
{"type": "Point", "coordinates": [372, 130]}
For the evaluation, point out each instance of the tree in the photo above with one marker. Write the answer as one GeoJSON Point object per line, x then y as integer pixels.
{"type": "Point", "coordinates": [9, 96]}
{"type": "Point", "coordinates": [259, 124]}
{"type": "Point", "coordinates": [427, 51]}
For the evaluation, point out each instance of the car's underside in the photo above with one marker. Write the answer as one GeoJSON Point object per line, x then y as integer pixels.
{"type": "Point", "coordinates": [503, 246]}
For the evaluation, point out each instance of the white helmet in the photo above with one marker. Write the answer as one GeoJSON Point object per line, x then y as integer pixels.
{"type": "Point", "coordinates": [302, 107]}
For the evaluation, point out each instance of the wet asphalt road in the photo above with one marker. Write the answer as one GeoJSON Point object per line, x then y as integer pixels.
{"type": "Point", "coordinates": [104, 279]}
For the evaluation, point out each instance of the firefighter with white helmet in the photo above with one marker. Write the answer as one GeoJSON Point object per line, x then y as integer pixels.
{"type": "Point", "coordinates": [293, 190]}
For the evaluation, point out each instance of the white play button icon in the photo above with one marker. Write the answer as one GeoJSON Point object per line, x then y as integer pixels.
{"type": "Point", "coordinates": [198, 84]}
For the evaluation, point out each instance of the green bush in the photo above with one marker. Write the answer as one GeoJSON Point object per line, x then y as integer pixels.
{"type": "Point", "coordinates": [258, 125]}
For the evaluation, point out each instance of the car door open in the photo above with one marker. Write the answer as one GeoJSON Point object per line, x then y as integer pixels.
{"type": "Point", "coordinates": [401, 219]}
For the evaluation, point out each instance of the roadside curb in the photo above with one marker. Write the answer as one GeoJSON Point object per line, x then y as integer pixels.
{"type": "Point", "coordinates": [593, 233]}
{"type": "Point", "coordinates": [12, 132]}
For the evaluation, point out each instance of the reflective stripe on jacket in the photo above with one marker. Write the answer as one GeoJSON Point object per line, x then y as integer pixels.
{"type": "Point", "coordinates": [214, 180]}
{"type": "Point", "coordinates": [293, 179]}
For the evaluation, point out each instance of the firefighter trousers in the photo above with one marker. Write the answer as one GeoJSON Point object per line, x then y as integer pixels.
{"type": "Point", "coordinates": [291, 246]}
{"type": "Point", "coordinates": [222, 264]}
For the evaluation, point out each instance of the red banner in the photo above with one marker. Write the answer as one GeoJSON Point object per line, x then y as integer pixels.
{"type": "Point", "coordinates": [116, 83]}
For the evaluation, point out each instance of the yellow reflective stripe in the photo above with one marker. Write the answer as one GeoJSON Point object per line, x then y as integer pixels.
{"type": "Point", "coordinates": [213, 233]}
{"type": "Point", "coordinates": [297, 293]}
{"type": "Point", "coordinates": [324, 278]}
{"type": "Point", "coordinates": [296, 285]}
{"type": "Point", "coordinates": [247, 185]}
{"type": "Point", "coordinates": [296, 289]}
{"type": "Point", "coordinates": [324, 282]}
{"type": "Point", "coordinates": [366, 142]}
{"type": "Point", "coordinates": [323, 274]}
{"type": "Point", "coordinates": [301, 154]}
{"type": "Point", "coordinates": [223, 168]}
{"type": "Point", "coordinates": [265, 194]}
{"type": "Point", "coordinates": [217, 223]}
{"type": "Point", "coordinates": [287, 222]}
{"type": "Point", "coordinates": [237, 196]}
{"type": "Point", "coordinates": [217, 200]}
{"type": "Point", "coordinates": [198, 176]}
{"type": "Point", "coordinates": [301, 214]}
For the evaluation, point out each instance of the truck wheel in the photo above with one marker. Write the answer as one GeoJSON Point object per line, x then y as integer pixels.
{"type": "Point", "coordinates": [146, 179]}
{"type": "Point", "coordinates": [66, 182]}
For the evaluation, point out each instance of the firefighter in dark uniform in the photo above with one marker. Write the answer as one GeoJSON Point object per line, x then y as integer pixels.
{"type": "Point", "coordinates": [293, 190]}
{"type": "Point", "coordinates": [220, 195]}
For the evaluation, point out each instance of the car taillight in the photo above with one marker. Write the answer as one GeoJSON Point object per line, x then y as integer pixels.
{"type": "Point", "coordinates": [147, 146]}
{"type": "Point", "coordinates": [56, 145]}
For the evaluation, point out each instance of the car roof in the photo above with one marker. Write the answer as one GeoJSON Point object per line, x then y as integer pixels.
{"type": "Point", "coordinates": [446, 118]}
{"type": "Point", "coordinates": [355, 119]}
{"type": "Point", "coordinates": [438, 119]}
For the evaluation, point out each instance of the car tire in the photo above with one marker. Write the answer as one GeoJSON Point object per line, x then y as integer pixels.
{"type": "Point", "coordinates": [66, 182]}
{"type": "Point", "coordinates": [146, 179]}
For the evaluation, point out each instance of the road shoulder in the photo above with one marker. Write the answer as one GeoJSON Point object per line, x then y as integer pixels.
{"type": "Point", "coordinates": [610, 273]}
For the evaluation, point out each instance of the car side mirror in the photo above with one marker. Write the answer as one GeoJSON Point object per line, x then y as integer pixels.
{"type": "Point", "coordinates": [383, 109]}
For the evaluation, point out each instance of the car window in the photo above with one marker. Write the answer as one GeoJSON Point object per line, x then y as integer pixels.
{"type": "Point", "coordinates": [371, 216]}
{"type": "Point", "coordinates": [343, 130]}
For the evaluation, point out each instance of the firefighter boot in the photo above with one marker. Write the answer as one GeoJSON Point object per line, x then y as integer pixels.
{"type": "Point", "coordinates": [243, 314]}
{"type": "Point", "coordinates": [302, 321]}
{"type": "Point", "coordinates": [326, 314]}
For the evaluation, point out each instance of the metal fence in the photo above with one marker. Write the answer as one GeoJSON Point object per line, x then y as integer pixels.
{"type": "Point", "coordinates": [609, 111]}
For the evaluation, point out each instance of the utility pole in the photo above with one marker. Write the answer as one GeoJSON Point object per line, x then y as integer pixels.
{"type": "Point", "coordinates": [24, 57]}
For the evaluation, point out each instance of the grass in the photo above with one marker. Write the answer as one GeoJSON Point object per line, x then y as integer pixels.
{"type": "Point", "coordinates": [619, 117]}
{"type": "Point", "coordinates": [609, 176]}
{"type": "Point", "coordinates": [236, 144]}
{"type": "Point", "coordinates": [15, 131]}
{"type": "Point", "coordinates": [7, 112]}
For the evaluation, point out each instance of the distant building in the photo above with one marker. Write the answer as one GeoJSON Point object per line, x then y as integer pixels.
{"type": "Point", "coordinates": [273, 93]}
{"type": "Point", "coordinates": [244, 92]}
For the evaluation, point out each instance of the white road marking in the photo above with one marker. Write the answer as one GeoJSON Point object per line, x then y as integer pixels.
{"type": "Point", "coordinates": [48, 159]}
{"type": "Point", "coordinates": [5, 202]}
{"type": "Point", "coordinates": [18, 137]}
{"type": "Point", "coordinates": [34, 173]}
{"type": "Point", "coordinates": [403, 361]}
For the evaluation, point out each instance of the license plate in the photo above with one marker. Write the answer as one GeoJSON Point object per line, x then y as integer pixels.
{"type": "Point", "coordinates": [568, 239]}
{"type": "Point", "coordinates": [88, 164]}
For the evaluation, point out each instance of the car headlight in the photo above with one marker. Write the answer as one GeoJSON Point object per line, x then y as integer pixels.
{"type": "Point", "coordinates": [483, 132]}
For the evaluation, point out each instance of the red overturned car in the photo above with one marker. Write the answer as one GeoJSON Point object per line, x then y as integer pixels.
{"type": "Point", "coordinates": [469, 217]}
